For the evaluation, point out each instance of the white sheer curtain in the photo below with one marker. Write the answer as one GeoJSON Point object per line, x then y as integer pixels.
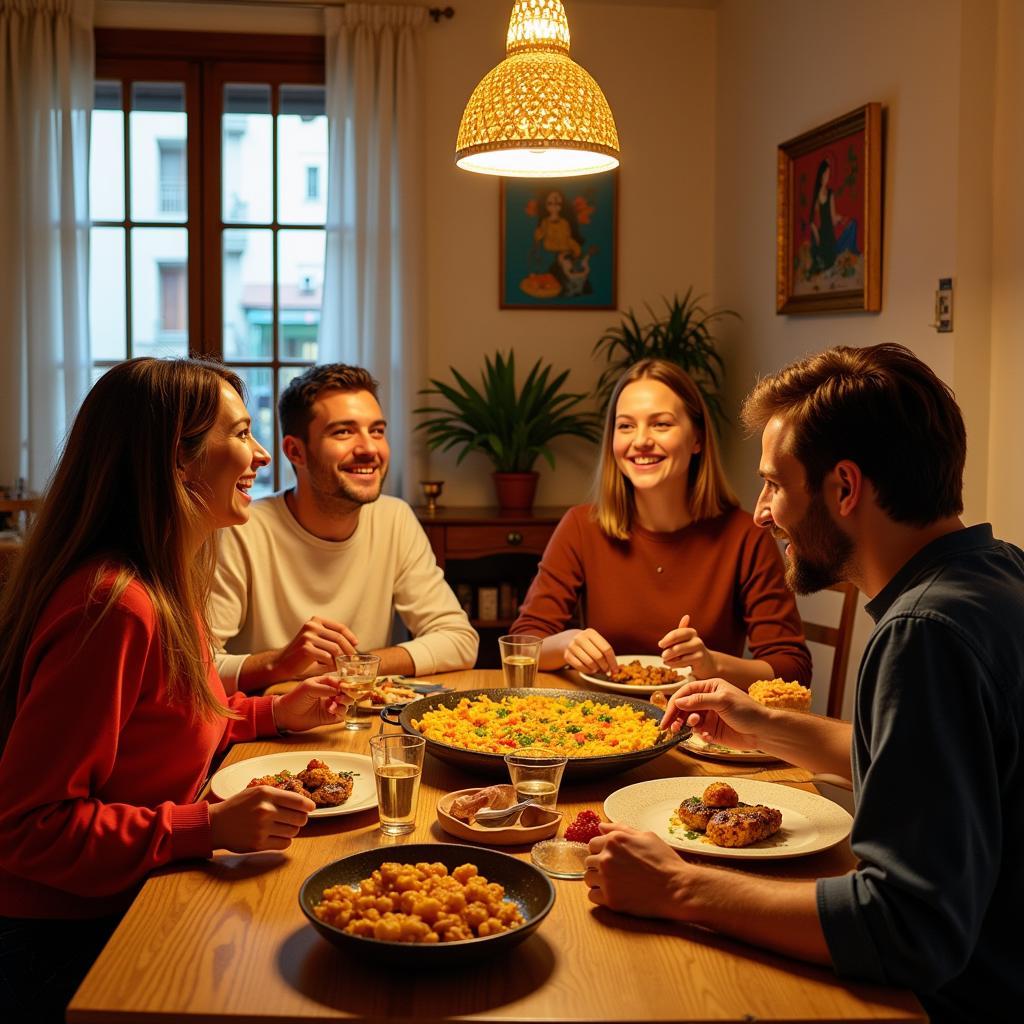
{"type": "Point", "coordinates": [46, 87]}
{"type": "Point", "coordinates": [373, 303]}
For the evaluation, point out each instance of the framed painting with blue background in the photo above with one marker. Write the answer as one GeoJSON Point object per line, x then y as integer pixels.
{"type": "Point", "coordinates": [559, 241]}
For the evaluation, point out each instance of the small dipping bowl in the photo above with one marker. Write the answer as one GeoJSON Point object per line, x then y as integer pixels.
{"type": "Point", "coordinates": [560, 858]}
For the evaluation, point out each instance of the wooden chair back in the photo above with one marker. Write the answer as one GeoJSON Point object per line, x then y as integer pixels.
{"type": "Point", "coordinates": [839, 638]}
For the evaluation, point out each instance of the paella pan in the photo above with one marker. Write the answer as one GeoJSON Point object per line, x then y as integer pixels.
{"type": "Point", "coordinates": [577, 768]}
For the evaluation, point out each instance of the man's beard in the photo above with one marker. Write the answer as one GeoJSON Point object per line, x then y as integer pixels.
{"type": "Point", "coordinates": [819, 553]}
{"type": "Point", "coordinates": [330, 491]}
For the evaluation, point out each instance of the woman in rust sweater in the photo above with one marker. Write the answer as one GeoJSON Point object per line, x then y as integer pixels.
{"type": "Point", "coordinates": [665, 561]}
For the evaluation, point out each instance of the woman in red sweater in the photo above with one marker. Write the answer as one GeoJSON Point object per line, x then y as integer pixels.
{"type": "Point", "coordinates": [110, 710]}
{"type": "Point", "coordinates": [665, 561]}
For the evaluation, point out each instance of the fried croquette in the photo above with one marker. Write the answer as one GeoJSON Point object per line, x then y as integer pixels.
{"type": "Point", "coordinates": [742, 826]}
{"type": "Point", "coordinates": [720, 794]}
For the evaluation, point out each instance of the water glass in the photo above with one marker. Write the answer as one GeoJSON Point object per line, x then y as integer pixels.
{"type": "Point", "coordinates": [397, 767]}
{"type": "Point", "coordinates": [357, 674]}
{"type": "Point", "coordinates": [520, 656]}
{"type": "Point", "coordinates": [536, 774]}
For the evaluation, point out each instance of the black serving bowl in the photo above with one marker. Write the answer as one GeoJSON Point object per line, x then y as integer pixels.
{"type": "Point", "coordinates": [524, 884]}
{"type": "Point", "coordinates": [576, 769]}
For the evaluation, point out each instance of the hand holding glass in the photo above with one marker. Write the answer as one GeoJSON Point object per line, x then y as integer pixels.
{"type": "Point", "coordinates": [397, 767]}
{"type": "Point", "coordinates": [536, 774]}
{"type": "Point", "coordinates": [357, 674]}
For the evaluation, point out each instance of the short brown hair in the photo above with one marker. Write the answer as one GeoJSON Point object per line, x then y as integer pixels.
{"type": "Point", "coordinates": [295, 406]}
{"type": "Point", "coordinates": [708, 490]}
{"type": "Point", "coordinates": [882, 408]}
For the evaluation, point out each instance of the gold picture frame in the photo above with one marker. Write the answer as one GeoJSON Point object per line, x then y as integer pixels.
{"type": "Point", "coordinates": [829, 217]}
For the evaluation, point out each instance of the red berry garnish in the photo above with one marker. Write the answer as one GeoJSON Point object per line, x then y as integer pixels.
{"type": "Point", "coordinates": [584, 828]}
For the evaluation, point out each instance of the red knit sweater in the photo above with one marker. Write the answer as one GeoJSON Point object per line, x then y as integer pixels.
{"type": "Point", "coordinates": [725, 572]}
{"type": "Point", "coordinates": [99, 778]}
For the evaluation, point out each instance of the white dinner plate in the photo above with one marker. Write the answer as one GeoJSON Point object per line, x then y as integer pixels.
{"type": "Point", "coordinates": [233, 778]}
{"type": "Point", "coordinates": [810, 823]}
{"type": "Point", "coordinates": [693, 744]}
{"type": "Point", "coordinates": [600, 679]}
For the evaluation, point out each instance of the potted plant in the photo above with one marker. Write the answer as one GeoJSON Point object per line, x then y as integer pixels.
{"type": "Point", "coordinates": [682, 335]}
{"type": "Point", "coordinates": [511, 426]}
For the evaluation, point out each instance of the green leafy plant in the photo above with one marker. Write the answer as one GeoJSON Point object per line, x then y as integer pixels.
{"type": "Point", "coordinates": [681, 335]}
{"type": "Point", "coordinates": [511, 427]}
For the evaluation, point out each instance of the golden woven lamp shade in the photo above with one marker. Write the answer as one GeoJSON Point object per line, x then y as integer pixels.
{"type": "Point", "coordinates": [538, 114]}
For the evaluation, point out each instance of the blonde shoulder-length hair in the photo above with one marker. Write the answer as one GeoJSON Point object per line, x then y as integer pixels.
{"type": "Point", "coordinates": [708, 493]}
{"type": "Point", "coordinates": [117, 498]}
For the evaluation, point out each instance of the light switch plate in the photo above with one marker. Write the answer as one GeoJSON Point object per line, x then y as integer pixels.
{"type": "Point", "coordinates": [944, 305]}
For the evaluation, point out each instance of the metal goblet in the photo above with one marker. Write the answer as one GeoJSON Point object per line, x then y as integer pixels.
{"type": "Point", "coordinates": [432, 491]}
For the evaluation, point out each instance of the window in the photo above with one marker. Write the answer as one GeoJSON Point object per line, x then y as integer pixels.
{"type": "Point", "coordinates": [173, 297]}
{"type": "Point", "coordinates": [219, 252]}
{"type": "Point", "coordinates": [172, 175]}
{"type": "Point", "coordinates": [312, 183]}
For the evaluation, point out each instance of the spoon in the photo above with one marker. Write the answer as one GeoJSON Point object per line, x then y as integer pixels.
{"type": "Point", "coordinates": [505, 816]}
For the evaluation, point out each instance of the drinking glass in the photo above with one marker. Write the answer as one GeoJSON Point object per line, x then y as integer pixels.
{"type": "Point", "coordinates": [536, 774]}
{"type": "Point", "coordinates": [357, 674]}
{"type": "Point", "coordinates": [520, 656]}
{"type": "Point", "coordinates": [397, 767]}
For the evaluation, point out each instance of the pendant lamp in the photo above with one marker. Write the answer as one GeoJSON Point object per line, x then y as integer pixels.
{"type": "Point", "coordinates": [538, 114]}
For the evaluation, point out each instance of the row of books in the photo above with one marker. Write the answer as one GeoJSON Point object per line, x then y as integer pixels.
{"type": "Point", "coordinates": [489, 602]}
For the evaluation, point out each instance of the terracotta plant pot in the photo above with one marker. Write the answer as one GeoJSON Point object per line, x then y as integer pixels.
{"type": "Point", "coordinates": [515, 490]}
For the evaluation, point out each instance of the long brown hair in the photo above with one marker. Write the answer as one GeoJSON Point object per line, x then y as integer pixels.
{"type": "Point", "coordinates": [708, 493]}
{"type": "Point", "coordinates": [117, 497]}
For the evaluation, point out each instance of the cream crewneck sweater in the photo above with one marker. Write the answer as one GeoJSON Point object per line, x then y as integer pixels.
{"type": "Point", "coordinates": [272, 575]}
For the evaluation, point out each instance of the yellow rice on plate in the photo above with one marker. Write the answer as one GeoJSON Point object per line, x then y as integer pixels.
{"type": "Point", "coordinates": [576, 727]}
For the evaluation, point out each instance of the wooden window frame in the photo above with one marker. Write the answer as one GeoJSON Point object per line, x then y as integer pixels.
{"type": "Point", "coordinates": [206, 61]}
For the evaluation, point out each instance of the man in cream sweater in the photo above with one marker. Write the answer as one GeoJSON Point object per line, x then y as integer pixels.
{"type": "Point", "coordinates": [320, 570]}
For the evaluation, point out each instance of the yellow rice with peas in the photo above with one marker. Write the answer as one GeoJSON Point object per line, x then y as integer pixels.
{"type": "Point", "coordinates": [573, 725]}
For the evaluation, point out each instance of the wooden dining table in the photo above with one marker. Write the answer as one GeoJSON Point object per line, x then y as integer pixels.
{"type": "Point", "coordinates": [224, 939]}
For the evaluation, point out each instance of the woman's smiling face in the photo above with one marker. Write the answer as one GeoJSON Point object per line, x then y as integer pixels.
{"type": "Point", "coordinates": [654, 437]}
{"type": "Point", "coordinates": [226, 469]}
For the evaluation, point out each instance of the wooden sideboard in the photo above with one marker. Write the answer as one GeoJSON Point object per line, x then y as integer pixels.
{"type": "Point", "coordinates": [485, 548]}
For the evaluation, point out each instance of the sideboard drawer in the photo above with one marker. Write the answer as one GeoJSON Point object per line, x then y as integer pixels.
{"type": "Point", "coordinates": [477, 541]}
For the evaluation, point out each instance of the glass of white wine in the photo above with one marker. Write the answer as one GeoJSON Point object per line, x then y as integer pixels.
{"type": "Point", "coordinates": [520, 656]}
{"type": "Point", "coordinates": [397, 767]}
{"type": "Point", "coordinates": [536, 774]}
{"type": "Point", "coordinates": [357, 675]}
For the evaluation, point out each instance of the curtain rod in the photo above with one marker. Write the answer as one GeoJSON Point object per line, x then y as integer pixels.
{"type": "Point", "coordinates": [436, 13]}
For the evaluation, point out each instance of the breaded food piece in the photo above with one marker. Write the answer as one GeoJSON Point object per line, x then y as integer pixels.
{"type": "Point", "coordinates": [315, 774]}
{"type": "Point", "coordinates": [776, 693]}
{"type": "Point", "coordinates": [333, 794]}
{"type": "Point", "coordinates": [694, 814]}
{"type": "Point", "coordinates": [282, 780]}
{"type": "Point", "coordinates": [742, 826]}
{"type": "Point", "coordinates": [720, 794]}
{"type": "Point", "coordinates": [390, 692]}
{"type": "Point", "coordinates": [635, 674]}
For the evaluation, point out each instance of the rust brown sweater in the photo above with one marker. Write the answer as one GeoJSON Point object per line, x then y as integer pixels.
{"type": "Point", "coordinates": [725, 572]}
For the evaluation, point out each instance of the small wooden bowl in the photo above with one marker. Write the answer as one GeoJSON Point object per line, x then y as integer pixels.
{"type": "Point", "coordinates": [506, 835]}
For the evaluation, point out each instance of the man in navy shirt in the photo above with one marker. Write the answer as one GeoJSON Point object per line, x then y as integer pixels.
{"type": "Point", "coordinates": [863, 453]}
